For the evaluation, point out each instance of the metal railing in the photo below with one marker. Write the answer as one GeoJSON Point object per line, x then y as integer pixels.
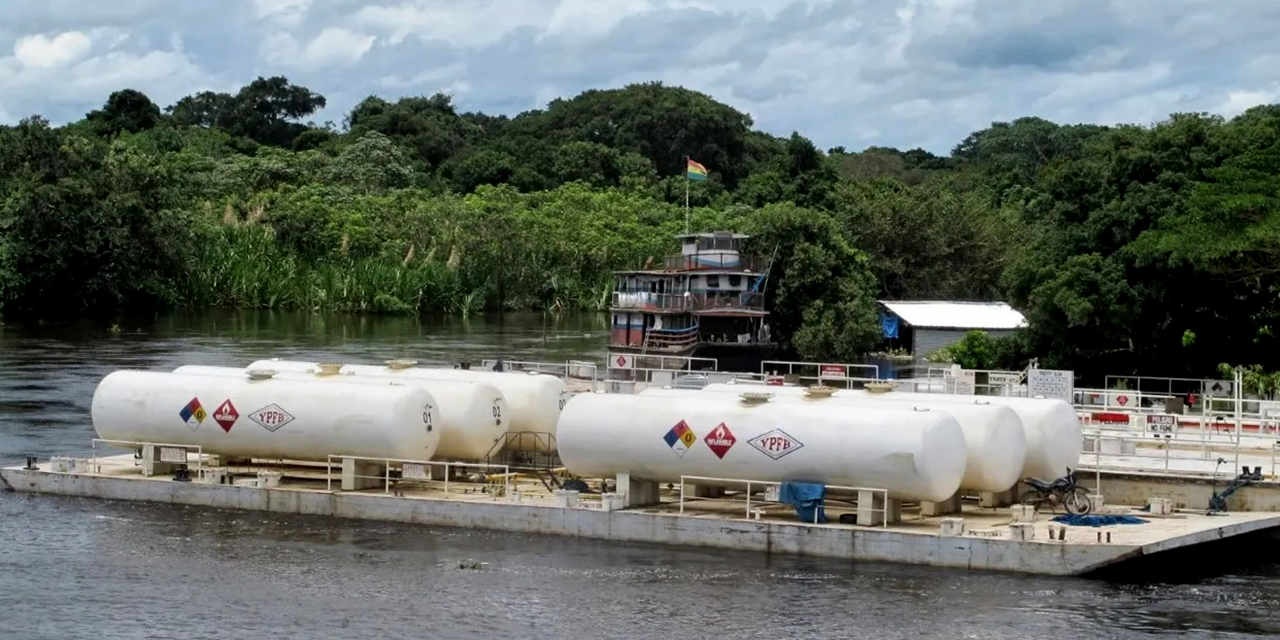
{"type": "Point", "coordinates": [1176, 452]}
{"type": "Point", "coordinates": [715, 260]}
{"type": "Point", "coordinates": [575, 369]}
{"type": "Point", "coordinates": [172, 452]}
{"type": "Point", "coordinates": [692, 301]}
{"type": "Point", "coordinates": [777, 371]}
{"type": "Point", "coordinates": [748, 484]}
{"type": "Point", "coordinates": [417, 472]}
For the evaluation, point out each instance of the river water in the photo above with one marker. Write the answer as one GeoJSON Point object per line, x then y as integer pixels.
{"type": "Point", "coordinates": [77, 568]}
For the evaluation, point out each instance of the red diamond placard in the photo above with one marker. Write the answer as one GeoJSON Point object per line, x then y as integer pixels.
{"type": "Point", "coordinates": [622, 361]}
{"type": "Point", "coordinates": [226, 415]}
{"type": "Point", "coordinates": [1123, 400]}
{"type": "Point", "coordinates": [720, 440]}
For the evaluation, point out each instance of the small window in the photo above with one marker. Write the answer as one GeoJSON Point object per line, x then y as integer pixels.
{"type": "Point", "coordinates": [713, 282]}
{"type": "Point", "coordinates": [735, 282]}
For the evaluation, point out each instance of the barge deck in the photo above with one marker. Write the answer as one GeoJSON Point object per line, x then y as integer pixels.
{"type": "Point", "coordinates": [977, 538]}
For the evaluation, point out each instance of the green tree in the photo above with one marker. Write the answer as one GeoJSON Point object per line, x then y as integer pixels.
{"type": "Point", "coordinates": [125, 111]}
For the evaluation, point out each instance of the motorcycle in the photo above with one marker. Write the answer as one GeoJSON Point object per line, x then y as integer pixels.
{"type": "Point", "coordinates": [1063, 491]}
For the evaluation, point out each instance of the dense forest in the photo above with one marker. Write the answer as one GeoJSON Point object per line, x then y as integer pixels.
{"type": "Point", "coordinates": [1151, 248]}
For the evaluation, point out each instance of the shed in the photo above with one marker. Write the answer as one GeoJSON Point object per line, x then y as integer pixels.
{"type": "Point", "coordinates": [928, 326]}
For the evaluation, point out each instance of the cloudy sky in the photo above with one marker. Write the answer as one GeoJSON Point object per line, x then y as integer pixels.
{"type": "Point", "coordinates": [901, 73]}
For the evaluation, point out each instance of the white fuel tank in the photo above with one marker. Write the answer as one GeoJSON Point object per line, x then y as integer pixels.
{"type": "Point", "coordinates": [994, 440]}
{"type": "Point", "coordinates": [535, 399]}
{"type": "Point", "coordinates": [272, 419]}
{"type": "Point", "coordinates": [473, 415]}
{"type": "Point", "coordinates": [1051, 426]}
{"type": "Point", "coordinates": [915, 455]}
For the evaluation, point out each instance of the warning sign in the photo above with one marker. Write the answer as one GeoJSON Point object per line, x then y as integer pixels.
{"type": "Point", "coordinates": [226, 415]}
{"type": "Point", "coordinates": [193, 414]}
{"type": "Point", "coordinates": [621, 361]}
{"type": "Point", "coordinates": [720, 440]}
{"type": "Point", "coordinates": [680, 438]}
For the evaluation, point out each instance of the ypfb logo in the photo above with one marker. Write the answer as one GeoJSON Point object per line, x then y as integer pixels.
{"type": "Point", "coordinates": [271, 417]}
{"type": "Point", "coordinates": [193, 414]}
{"type": "Point", "coordinates": [775, 444]}
{"type": "Point", "coordinates": [720, 440]}
{"type": "Point", "coordinates": [680, 438]}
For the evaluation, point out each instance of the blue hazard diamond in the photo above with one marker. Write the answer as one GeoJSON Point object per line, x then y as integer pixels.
{"type": "Point", "coordinates": [680, 438]}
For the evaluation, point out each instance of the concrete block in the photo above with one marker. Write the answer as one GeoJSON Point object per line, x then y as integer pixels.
{"type": "Point", "coordinates": [612, 502]}
{"type": "Point", "coordinates": [992, 500]}
{"type": "Point", "coordinates": [1160, 506]}
{"type": "Point", "coordinates": [566, 499]}
{"type": "Point", "coordinates": [637, 492]}
{"type": "Point", "coordinates": [269, 479]}
{"type": "Point", "coordinates": [1057, 532]}
{"type": "Point", "coordinates": [1022, 531]}
{"type": "Point", "coordinates": [1096, 500]}
{"type": "Point", "coordinates": [874, 510]}
{"type": "Point", "coordinates": [358, 475]}
{"type": "Point", "coordinates": [952, 527]}
{"type": "Point", "coordinates": [212, 475]}
{"type": "Point", "coordinates": [950, 505]}
{"type": "Point", "coordinates": [1023, 513]}
{"type": "Point", "coordinates": [703, 491]}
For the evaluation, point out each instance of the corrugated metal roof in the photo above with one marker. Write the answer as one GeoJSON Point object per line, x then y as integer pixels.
{"type": "Point", "coordinates": [957, 315]}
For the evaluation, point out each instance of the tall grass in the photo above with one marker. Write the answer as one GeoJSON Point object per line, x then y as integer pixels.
{"type": "Point", "coordinates": [242, 267]}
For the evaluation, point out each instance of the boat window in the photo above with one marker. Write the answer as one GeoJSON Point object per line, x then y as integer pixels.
{"type": "Point", "coordinates": [735, 282]}
{"type": "Point", "coordinates": [713, 282]}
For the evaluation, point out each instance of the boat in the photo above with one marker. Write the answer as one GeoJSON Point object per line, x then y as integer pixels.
{"type": "Point", "coordinates": [705, 305]}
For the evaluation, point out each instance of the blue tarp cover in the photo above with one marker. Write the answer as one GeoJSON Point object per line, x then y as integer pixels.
{"type": "Point", "coordinates": [805, 497]}
{"type": "Point", "coordinates": [1097, 521]}
{"type": "Point", "coordinates": [889, 325]}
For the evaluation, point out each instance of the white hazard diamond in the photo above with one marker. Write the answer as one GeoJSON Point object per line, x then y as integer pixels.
{"type": "Point", "coordinates": [775, 444]}
{"type": "Point", "coordinates": [271, 417]}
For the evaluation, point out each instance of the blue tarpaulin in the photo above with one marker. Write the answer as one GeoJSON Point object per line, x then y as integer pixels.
{"type": "Point", "coordinates": [889, 325]}
{"type": "Point", "coordinates": [1097, 521]}
{"type": "Point", "coordinates": [806, 498]}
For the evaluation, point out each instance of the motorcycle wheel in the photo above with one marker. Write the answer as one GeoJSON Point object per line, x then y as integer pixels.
{"type": "Point", "coordinates": [1077, 502]}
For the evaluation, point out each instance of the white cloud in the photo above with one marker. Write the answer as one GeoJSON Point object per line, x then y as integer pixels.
{"type": "Point", "coordinates": [39, 51]}
{"type": "Point", "coordinates": [334, 46]}
{"type": "Point", "coordinates": [843, 72]}
{"type": "Point", "coordinates": [284, 12]}
{"type": "Point", "coordinates": [475, 24]}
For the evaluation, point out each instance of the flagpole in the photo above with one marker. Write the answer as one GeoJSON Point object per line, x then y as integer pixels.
{"type": "Point", "coordinates": [686, 194]}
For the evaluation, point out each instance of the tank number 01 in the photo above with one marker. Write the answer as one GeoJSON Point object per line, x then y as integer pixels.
{"type": "Point", "coordinates": [426, 416]}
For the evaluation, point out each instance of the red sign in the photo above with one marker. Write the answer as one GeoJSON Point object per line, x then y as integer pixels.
{"type": "Point", "coordinates": [776, 382]}
{"type": "Point", "coordinates": [622, 362]}
{"type": "Point", "coordinates": [720, 440]}
{"type": "Point", "coordinates": [832, 371]}
{"type": "Point", "coordinates": [226, 415]}
{"type": "Point", "coordinates": [1122, 400]}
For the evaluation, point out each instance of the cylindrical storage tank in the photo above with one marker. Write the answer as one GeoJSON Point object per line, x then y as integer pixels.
{"type": "Point", "coordinates": [915, 455]}
{"type": "Point", "coordinates": [1051, 426]}
{"type": "Point", "coordinates": [535, 399]}
{"type": "Point", "coordinates": [266, 418]}
{"type": "Point", "coordinates": [995, 442]}
{"type": "Point", "coordinates": [473, 415]}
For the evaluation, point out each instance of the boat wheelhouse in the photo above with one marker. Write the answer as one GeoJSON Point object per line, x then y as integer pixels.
{"type": "Point", "coordinates": [706, 302]}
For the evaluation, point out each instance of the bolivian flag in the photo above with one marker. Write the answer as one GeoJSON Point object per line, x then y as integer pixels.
{"type": "Point", "coordinates": [696, 171]}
